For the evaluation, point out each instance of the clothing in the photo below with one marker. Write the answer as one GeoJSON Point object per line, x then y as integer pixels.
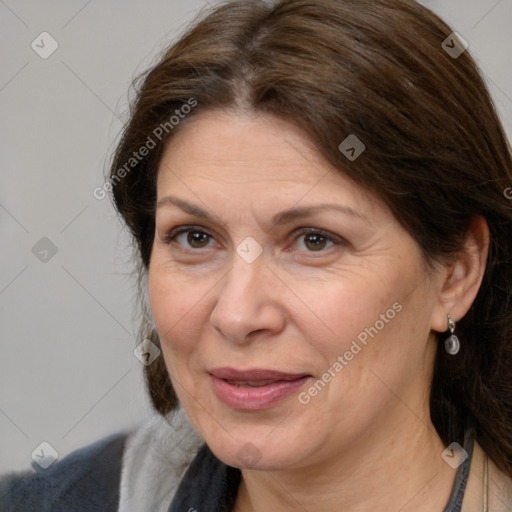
{"type": "Point", "coordinates": [165, 466]}
{"type": "Point", "coordinates": [87, 479]}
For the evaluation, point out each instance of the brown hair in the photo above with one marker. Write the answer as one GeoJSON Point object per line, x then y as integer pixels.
{"type": "Point", "coordinates": [436, 153]}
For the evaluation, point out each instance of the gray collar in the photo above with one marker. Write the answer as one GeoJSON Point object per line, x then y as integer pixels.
{"type": "Point", "coordinates": [155, 459]}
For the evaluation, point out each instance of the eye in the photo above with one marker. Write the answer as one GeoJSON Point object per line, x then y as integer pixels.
{"type": "Point", "coordinates": [308, 239]}
{"type": "Point", "coordinates": [189, 238]}
{"type": "Point", "coordinates": [314, 240]}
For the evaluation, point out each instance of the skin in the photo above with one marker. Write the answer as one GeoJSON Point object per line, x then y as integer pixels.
{"type": "Point", "coordinates": [365, 441]}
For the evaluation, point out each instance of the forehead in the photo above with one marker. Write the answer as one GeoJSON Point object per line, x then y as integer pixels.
{"type": "Point", "coordinates": [242, 147]}
{"type": "Point", "coordinates": [234, 158]}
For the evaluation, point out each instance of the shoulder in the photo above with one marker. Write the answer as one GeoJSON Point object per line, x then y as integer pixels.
{"type": "Point", "coordinates": [500, 489]}
{"type": "Point", "coordinates": [86, 479]}
{"type": "Point", "coordinates": [126, 472]}
{"type": "Point", "coordinates": [488, 485]}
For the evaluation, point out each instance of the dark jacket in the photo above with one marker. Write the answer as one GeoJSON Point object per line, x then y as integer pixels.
{"type": "Point", "coordinates": [86, 480]}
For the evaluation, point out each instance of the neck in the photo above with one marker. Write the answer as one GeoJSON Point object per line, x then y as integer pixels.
{"type": "Point", "coordinates": [391, 469]}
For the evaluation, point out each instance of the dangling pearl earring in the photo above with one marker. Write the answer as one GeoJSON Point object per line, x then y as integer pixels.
{"type": "Point", "coordinates": [452, 343]}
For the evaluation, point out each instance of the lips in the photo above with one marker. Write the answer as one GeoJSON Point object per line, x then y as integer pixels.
{"type": "Point", "coordinates": [255, 375]}
{"type": "Point", "coordinates": [254, 389]}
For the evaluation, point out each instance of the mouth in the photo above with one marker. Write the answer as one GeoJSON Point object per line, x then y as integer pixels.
{"type": "Point", "coordinates": [250, 384]}
{"type": "Point", "coordinates": [254, 389]}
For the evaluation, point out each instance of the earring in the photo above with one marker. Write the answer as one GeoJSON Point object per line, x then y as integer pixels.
{"type": "Point", "coordinates": [452, 343]}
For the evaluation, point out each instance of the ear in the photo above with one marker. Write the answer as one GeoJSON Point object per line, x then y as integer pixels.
{"type": "Point", "coordinates": [461, 280]}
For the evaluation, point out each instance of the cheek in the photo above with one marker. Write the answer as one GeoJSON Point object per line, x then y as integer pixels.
{"type": "Point", "coordinates": [367, 322]}
{"type": "Point", "coordinates": [337, 312]}
{"type": "Point", "coordinates": [180, 309]}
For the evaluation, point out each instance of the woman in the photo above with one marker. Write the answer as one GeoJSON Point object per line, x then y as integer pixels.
{"type": "Point", "coordinates": [316, 194]}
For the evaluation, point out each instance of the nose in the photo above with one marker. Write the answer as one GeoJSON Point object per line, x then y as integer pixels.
{"type": "Point", "coordinates": [248, 302]}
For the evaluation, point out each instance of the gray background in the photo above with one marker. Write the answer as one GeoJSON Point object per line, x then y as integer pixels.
{"type": "Point", "coordinates": [67, 371]}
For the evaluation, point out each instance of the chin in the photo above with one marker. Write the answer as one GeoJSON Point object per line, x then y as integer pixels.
{"type": "Point", "coordinates": [257, 453]}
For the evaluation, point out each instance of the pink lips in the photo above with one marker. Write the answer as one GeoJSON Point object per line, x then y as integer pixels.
{"type": "Point", "coordinates": [254, 389]}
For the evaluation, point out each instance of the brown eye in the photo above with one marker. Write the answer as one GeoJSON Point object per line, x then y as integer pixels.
{"type": "Point", "coordinates": [189, 238]}
{"type": "Point", "coordinates": [197, 239]}
{"type": "Point", "coordinates": [315, 242]}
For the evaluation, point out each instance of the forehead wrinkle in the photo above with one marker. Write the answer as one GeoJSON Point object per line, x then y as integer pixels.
{"type": "Point", "coordinates": [256, 173]}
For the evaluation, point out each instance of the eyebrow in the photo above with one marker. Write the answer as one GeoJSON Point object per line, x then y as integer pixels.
{"type": "Point", "coordinates": [280, 218]}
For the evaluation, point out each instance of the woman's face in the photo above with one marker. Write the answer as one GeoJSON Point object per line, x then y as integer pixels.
{"type": "Point", "coordinates": [294, 311]}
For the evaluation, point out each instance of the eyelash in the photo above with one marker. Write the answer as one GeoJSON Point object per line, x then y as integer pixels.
{"type": "Point", "coordinates": [299, 232]}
